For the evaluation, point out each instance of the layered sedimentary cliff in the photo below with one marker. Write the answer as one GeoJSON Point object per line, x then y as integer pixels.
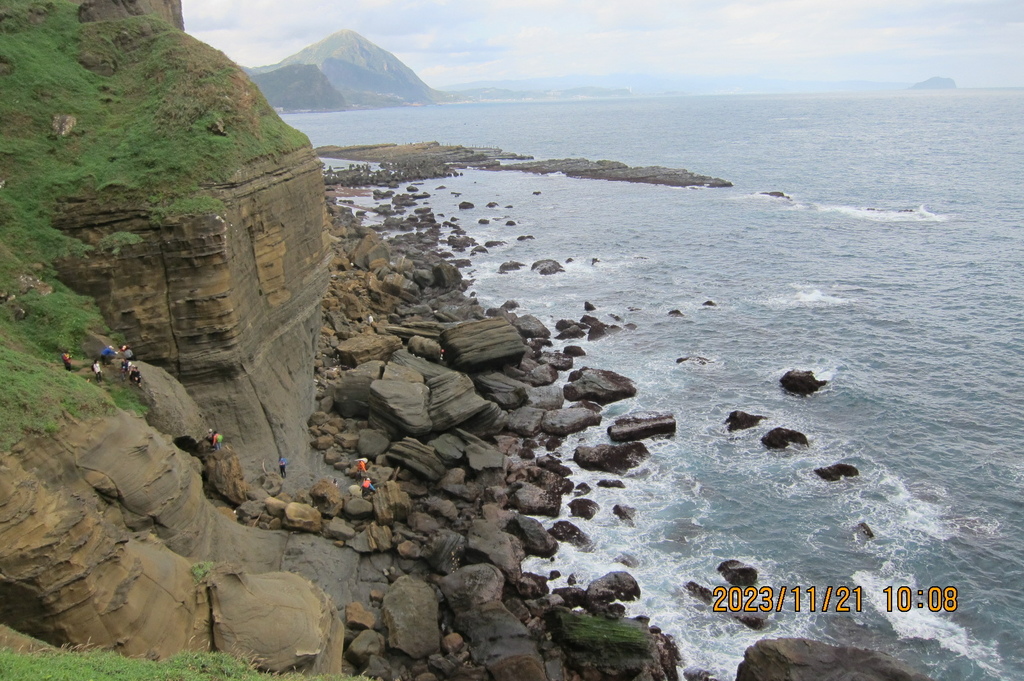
{"type": "Point", "coordinates": [226, 301]}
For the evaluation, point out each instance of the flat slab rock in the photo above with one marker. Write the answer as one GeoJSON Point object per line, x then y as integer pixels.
{"type": "Point", "coordinates": [642, 425]}
{"type": "Point", "coordinates": [616, 171]}
{"type": "Point", "coordinates": [618, 459]}
{"type": "Point", "coordinates": [799, 659]}
{"type": "Point", "coordinates": [598, 385]}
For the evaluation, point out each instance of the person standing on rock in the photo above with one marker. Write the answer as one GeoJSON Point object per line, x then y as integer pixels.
{"type": "Point", "coordinates": [367, 485]}
{"type": "Point", "coordinates": [97, 371]}
{"type": "Point", "coordinates": [282, 463]}
{"type": "Point", "coordinates": [361, 465]}
{"type": "Point", "coordinates": [126, 366]}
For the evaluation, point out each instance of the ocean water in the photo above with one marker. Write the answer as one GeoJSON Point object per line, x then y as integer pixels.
{"type": "Point", "coordinates": [895, 272]}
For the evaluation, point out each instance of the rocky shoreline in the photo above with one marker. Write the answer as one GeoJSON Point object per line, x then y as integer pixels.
{"type": "Point", "coordinates": [458, 415]}
{"type": "Point", "coordinates": [425, 160]}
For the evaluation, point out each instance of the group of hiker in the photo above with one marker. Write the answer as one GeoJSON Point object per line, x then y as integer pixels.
{"type": "Point", "coordinates": [129, 371]}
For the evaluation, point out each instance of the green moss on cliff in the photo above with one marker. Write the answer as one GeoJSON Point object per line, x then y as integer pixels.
{"type": "Point", "coordinates": [96, 666]}
{"type": "Point", "coordinates": [159, 116]}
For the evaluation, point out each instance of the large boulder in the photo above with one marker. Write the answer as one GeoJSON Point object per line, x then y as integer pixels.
{"type": "Point", "coordinates": [598, 385]}
{"type": "Point", "coordinates": [302, 517]}
{"type": "Point", "coordinates": [486, 542]}
{"type": "Point", "coordinates": [279, 619]}
{"type": "Point", "coordinates": [533, 500]}
{"type": "Point", "coordinates": [536, 541]}
{"type": "Point", "coordinates": [526, 421]}
{"type": "Point", "coordinates": [837, 471]}
{"type": "Point", "coordinates": [546, 397]}
{"type": "Point", "coordinates": [326, 498]}
{"type": "Point", "coordinates": [738, 573]}
{"type": "Point", "coordinates": [391, 503]}
{"type": "Point", "coordinates": [410, 615]}
{"type": "Point", "coordinates": [500, 642]}
{"type": "Point", "coordinates": [801, 382]}
{"type": "Point", "coordinates": [472, 586]}
{"type": "Point", "coordinates": [571, 420]}
{"type": "Point", "coordinates": [799, 659]}
{"type": "Point", "coordinates": [418, 457]}
{"type": "Point", "coordinates": [614, 586]}
{"type": "Point", "coordinates": [547, 266]}
{"type": "Point", "coordinates": [367, 347]}
{"type": "Point", "coordinates": [352, 392]}
{"type": "Point", "coordinates": [780, 438]}
{"type": "Point", "coordinates": [370, 248]}
{"type": "Point", "coordinates": [479, 345]}
{"type": "Point", "coordinates": [531, 327]}
{"type": "Point", "coordinates": [400, 407]}
{"type": "Point", "coordinates": [741, 420]}
{"type": "Point", "coordinates": [453, 399]}
{"type": "Point", "coordinates": [424, 367]}
{"type": "Point", "coordinates": [642, 425]}
{"type": "Point", "coordinates": [507, 393]}
{"type": "Point", "coordinates": [617, 459]}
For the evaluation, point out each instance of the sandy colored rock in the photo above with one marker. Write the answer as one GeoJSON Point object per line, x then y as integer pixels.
{"type": "Point", "coordinates": [367, 347]}
{"type": "Point", "coordinates": [279, 619]}
{"type": "Point", "coordinates": [224, 475]}
{"type": "Point", "coordinates": [302, 517]}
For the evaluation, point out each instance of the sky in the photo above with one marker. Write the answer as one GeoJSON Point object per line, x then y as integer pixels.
{"type": "Point", "coordinates": [978, 43]}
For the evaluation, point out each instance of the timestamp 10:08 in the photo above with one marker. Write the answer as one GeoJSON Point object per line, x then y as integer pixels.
{"type": "Point", "coordinates": [737, 599]}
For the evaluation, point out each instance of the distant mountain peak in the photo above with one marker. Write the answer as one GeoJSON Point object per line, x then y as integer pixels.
{"type": "Point", "coordinates": [935, 83]}
{"type": "Point", "coordinates": [363, 72]}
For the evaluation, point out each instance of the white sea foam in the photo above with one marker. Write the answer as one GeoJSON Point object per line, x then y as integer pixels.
{"type": "Point", "coordinates": [919, 214]}
{"type": "Point", "coordinates": [921, 622]}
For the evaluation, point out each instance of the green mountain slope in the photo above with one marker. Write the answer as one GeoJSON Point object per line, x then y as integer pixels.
{"type": "Point", "coordinates": [366, 74]}
{"type": "Point", "coordinates": [299, 87]}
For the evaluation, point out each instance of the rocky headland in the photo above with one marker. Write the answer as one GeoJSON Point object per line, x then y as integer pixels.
{"type": "Point", "coordinates": [444, 159]}
{"type": "Point", "coordinates": [390, 444]}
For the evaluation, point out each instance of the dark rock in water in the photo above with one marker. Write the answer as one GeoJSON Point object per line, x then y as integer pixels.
{"type": "Point", "coordinates": [699, 592]}
{"type": "Point", "coordinates": [492, 204]}
{"type": "Point", "coordinates": [525, 237]}
{"type": "Point", "coordinates": [483, 221]}
{"type": "Point", "coordinates": [696, 360]}
{"type": "Point", "coordinates": [799, 659]}
{"type": "Point", "coordinates": [510, 266]}
{"type": "Point", "coordinates": [617, 459]}
{"type": "Point", "coordinates": [837, 471]}
{"type": "Point", "coordinates": [493, 244]}
{"type": "Point", "coordinates": [864, 531]}
{"type": "Point", "coordinates": [741, 420]}
{"type": "Point", "coordinates": [737, 573]}
{"type": "Point", "coordinates": [611, 484]}
{"type": "Point", "coordinates": [695, 674]}
{"type": "Point", "coordinates": [751, 621]}
{"type": "Point", "coordinates": [553, 464]}
{"type": "Point", "coordinates": [801, 382]}
{"type": "Point", "coordinates": [583, 508]}
{"type": "Point", "coordinates": [574, 351]}
{"type": "Point", "coordinates": [625, 513]}
{"type": "Point", "coordinates": [510, 223]}
{"type": "Point", "coordinates": [565, 531]}
{"type": "Point", "coordinates": [598, 385]}
{"type": "Point", "coordinates": [780, 438]}
{"type": "Point", "coordinates": [614, 586]}
{"type": "Point", "coordinates": [466, 205]}
{"type": "Point", "coordinates": [627, 560]}
{"type": "Point", "coordinates": [535, 539]}
{"type": "Point", "coordinates": [547, 267]}
{"type": "Point", "coordinates": [675, 313]}
{"type": "Point", "coordinates": [588, 306]}
{"type": "Point", "coordinates": [642, 425]}
{"type": "Point", "coordinates": [777, 195]}
{"type": "Point", "coordinates": [709, 303]}
{"type": "Point", "coordinates": [531, 586]}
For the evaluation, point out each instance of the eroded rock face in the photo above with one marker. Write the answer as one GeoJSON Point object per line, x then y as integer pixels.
{"type": "Point", "coordinates": [228, 303]}
{"type": "Point", "coordinates": [474, 346]}
{"type": "Point", "coordinates": [799, 659]}
{"type": "Point", "coordinates": [105, 10]}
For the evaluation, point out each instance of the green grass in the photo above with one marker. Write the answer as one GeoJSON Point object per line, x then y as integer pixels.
{"type": "Point", "coordinates": [101, 666]}
{"type": "Point", "coordinates": [175, 117]}
{"type": "Point", "coordinates": [599, 636]}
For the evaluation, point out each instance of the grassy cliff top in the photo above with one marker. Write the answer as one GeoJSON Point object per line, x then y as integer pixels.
{"type": "Point", "coordinates": [154, 117]}
{"type": "Point", "coordinates": [100, 666]}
